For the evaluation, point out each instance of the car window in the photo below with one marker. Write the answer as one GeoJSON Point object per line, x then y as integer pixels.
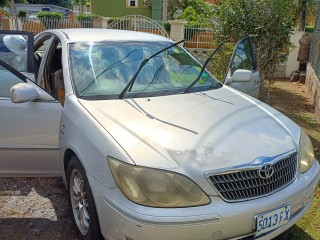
{"type": "Point", "coordinates": [14, 51]}
{"type": "Point", "coordinates": [7, 80]}
{"type": "Point", "coordinates": [50, 75]}
{"type": "Point", "coordinates": [105, 68]}
{"type": "Point", "coordinates": [243, 58]}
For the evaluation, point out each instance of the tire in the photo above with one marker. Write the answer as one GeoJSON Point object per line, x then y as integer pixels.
{"type": "Point", "coordinates": [84, 214]}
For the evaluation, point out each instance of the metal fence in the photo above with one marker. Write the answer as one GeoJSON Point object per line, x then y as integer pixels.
{"type": "Point", "coordinates": [139, 24]}
{"type": "Point", "coordinates": [314, 56]}
{"type": "Point", "coordinates": [197, 37]}
{"type": "Point", "coordinates": [38, 25]}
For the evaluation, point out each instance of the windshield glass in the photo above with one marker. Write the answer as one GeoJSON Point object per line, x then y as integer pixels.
{"type": "Point", "coordinates": [103, 69]}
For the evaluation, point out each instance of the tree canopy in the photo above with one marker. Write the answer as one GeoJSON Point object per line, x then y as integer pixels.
{"type": "Point", "coordinates": [269, 22]}
{"type": "Point", "coordinates": [197, 12]}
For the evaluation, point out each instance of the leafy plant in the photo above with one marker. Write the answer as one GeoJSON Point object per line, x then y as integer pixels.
{"type": "Point", "coordinates": [49, 19]}
{"type": "Point", "coordinates": [269, 22]}
{"type": "Point", "coordinates": [309, 29]}
{"type": "Point", "coordinates": [86, 20]}
{"type": "Point", "coordinates": [167, 26]}
{"type": "Point", "coordinates": [86, 16]}
{"type": "Point", "coordinates": [3, 3]}
{"type": "Point", "coordinates": [52, 15]}
{"type": "Point", "coordinates": [197, 12]}
{"type": "Point", "coordinates": [22, 13]}
{"type": "Point", "coordinates": [220, 62]}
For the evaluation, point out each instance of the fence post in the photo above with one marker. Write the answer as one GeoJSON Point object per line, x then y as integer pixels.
{"type": "Point", "coordinates": [101, 22]}
{"type": "Point", "coordinates": [177, 29]}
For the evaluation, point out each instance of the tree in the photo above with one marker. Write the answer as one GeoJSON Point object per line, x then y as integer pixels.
{"type": "Point", "coordinates": [269, 22]}
{"type": "Point", "coordinates": [3, 3]}
{"type": "Point", "coordinates": [197, 12]}
{"type": "Point", "coordinates": [306, 8]}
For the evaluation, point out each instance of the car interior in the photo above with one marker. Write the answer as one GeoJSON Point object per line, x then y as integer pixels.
{"type": "Point", "coordinates": [51, 78]}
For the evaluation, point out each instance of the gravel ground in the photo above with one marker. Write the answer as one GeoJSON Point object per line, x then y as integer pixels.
{"type": "Point", "coordinates": [34, 208]}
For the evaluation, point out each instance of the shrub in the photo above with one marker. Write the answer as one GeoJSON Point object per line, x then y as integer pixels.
{"type": "Point", "coordinates": [52, 15]}
{"type": "Point", "coordinates": [22, 13]}
{"type": "Point", "coordinates": [86, 20]}
{"type": "Point", "coordinates": [83, 16]}
{"type": "Point", "coordinates": [49, 19]}
{"type": "Point", "coordinates": [167, 26]}
{"type": "Point", "coordinates": [309, 29]}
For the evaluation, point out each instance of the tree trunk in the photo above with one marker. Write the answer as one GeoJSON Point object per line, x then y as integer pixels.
{"type": "Point", "coordinates": [303, 15]}
{"type": "Point", "coordinates": [165, 10]}
{"type": "Point", "coordinates": [80, 7]}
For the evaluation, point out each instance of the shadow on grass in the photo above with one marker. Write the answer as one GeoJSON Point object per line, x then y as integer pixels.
{"type": "Point", "coordinates": [295, 233]}
{"type": "Point", "coordinates": [293, 101]}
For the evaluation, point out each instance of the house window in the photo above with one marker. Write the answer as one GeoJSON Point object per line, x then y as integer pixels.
{"type": "Point", "coordinates": [132, 3]}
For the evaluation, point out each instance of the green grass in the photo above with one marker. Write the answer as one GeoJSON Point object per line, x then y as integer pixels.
{"type": "Point", "coordinates": [293, 100]}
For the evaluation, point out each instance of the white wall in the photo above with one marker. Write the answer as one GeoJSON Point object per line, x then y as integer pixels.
{"type": "Point", "coordinates": [292, 63]}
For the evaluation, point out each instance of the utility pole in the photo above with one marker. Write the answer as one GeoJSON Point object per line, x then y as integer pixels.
{"type": "Point", "coordinates": [14, 14]}
{"type": "Point", "coordinates": [165, 10]}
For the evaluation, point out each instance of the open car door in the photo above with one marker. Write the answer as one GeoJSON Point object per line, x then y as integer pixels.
{"type": "Point", "coordinates": [30, 117]}
{"type": "Point", "coordinates": [242, 73]}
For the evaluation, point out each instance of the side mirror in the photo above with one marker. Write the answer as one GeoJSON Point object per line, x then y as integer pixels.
{"type": "Point", "coordinates": [23, 92]}
{"type": "Point", "coordinates": [242, 75]}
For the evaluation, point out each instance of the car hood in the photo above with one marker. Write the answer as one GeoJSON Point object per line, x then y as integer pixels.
{"type": "Point", "coordinates": [204, 131]}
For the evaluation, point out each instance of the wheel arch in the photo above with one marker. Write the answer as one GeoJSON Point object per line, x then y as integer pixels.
{"type": "Point", "coordinates": [68, 154]}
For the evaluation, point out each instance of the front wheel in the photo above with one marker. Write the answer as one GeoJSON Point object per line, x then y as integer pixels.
{"type": "Point", "coordinates": [81, 202]}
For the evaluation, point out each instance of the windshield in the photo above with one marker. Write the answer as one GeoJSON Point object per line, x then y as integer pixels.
{"type": "Point", "coordinates": [103, 69]}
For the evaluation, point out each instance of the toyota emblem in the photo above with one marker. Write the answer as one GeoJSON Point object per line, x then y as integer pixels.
{"type": "Point", "coordinates": [266, 171]}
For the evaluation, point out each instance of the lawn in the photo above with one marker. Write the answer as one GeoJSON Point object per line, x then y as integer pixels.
{"type": "Point", "coordinates": [293, 100]}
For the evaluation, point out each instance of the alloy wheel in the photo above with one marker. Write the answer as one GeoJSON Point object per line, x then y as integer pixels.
{"type": "Point", "coordinates": [79, 201]}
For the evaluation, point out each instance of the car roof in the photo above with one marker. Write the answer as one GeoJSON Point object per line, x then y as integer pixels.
{"type": "Point", "coordinates": [92, 34]}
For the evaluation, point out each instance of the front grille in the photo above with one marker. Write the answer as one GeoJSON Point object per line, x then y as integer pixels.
{"type": "Point", "coordinates": [246, 184]}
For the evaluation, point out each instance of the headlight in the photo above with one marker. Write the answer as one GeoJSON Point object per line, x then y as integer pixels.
{"type": "Point", "coordinates": [306, 152]}
{"type": "Point", "coordinates": [156, 188]}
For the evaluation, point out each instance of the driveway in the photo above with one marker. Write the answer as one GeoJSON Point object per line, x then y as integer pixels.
{"type": "Point", "coordinates": [34, 208]}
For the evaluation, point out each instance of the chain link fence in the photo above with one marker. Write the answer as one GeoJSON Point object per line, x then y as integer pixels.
{"type": "Point", "coordinates": [314, 56]}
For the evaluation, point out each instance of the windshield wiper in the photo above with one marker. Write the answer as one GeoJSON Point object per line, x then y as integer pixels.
{"type": "Point", "coordinates": [202, 69]}
{"type": "Point", "coordinates": [128, 87]}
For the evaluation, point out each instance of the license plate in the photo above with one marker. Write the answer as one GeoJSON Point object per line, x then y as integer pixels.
{"type": "Point", "coordinates": [273, 219]}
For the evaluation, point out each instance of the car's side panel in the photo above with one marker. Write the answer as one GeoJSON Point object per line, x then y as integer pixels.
{"type": "Point", "coordinates": [89, 141]}
{"type": "Point", "coordinates": [35, 162]}
{"type": "Point", "coordinates": [29, 138]}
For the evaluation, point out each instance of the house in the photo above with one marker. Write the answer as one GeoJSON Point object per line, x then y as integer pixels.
{"type": "Point", "coordinates": [119, 8]}
{"type": "Point", "coordinates": [33, 9]}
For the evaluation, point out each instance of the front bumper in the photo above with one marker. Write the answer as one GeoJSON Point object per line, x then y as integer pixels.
{"type": "Point", "coordinates": [121, 219]}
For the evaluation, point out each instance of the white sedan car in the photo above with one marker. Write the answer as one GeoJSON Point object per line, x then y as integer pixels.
{"type": "Point", "coordinates": [149, 144]}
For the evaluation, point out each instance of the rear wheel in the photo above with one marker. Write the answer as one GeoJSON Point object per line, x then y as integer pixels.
{"type": "Point", "coordinates": [81, 201]}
